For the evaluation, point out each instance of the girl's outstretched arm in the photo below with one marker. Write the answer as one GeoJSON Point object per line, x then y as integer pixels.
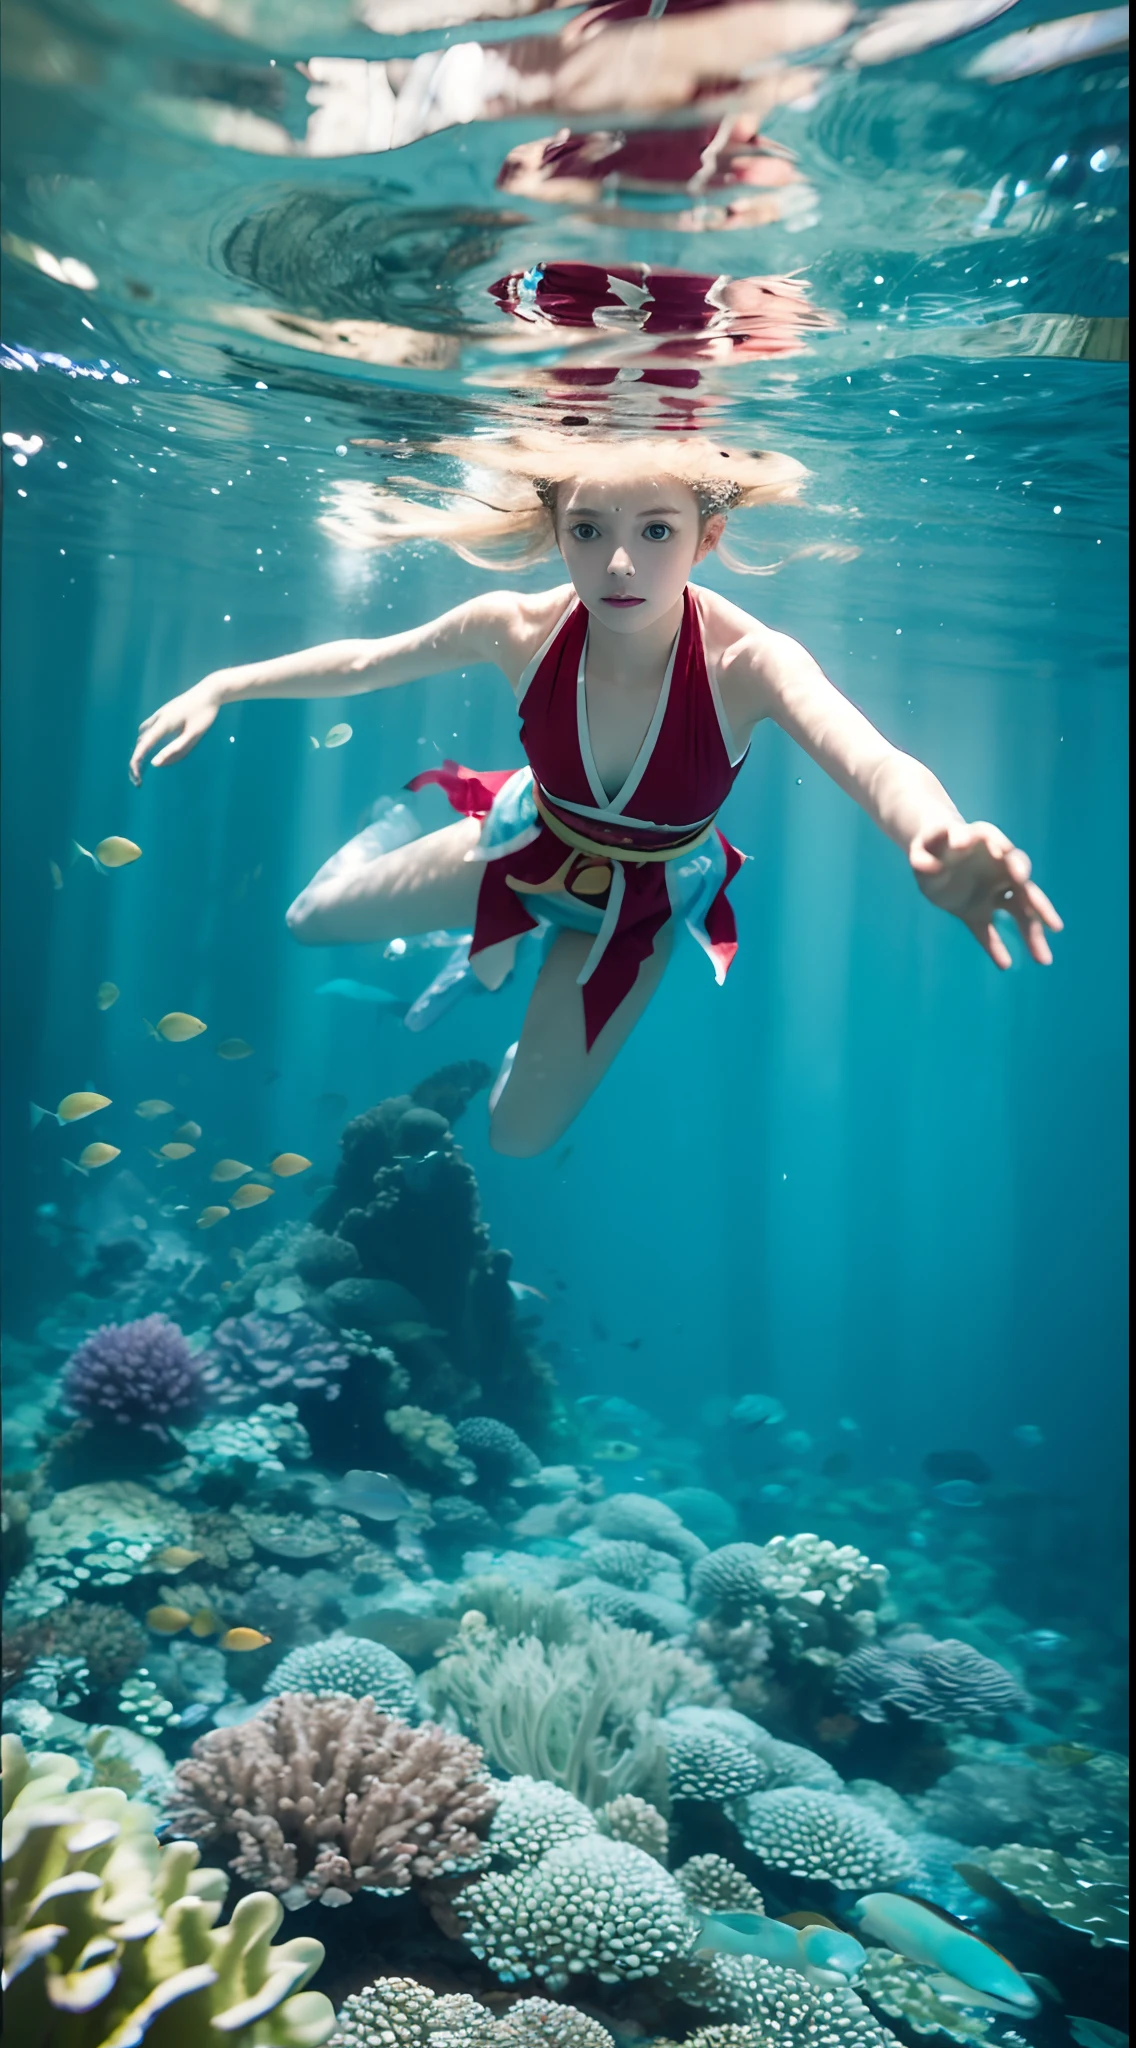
{"type": "Point", "coordinates": [971, 870]}
{"type": "Point", "coordinates": [481, 630]}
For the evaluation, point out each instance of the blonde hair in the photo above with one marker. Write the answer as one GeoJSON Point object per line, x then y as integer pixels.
{"type": "Point", "coordinates": [502, 514]}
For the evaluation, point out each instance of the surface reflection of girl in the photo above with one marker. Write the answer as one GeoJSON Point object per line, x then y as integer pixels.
{"type": "Point", "coordinates": [638, 694]}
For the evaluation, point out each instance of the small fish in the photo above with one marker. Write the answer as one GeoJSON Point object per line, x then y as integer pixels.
{"type": "Point", "coordinates": [337, 736]}
{"type": "Point", "coordinates": [1095, 2034]}
{"type": "Point", "coordinates": [176, 1558]}
{"type": "Point", "coordinates": [754, 1411]}
{"type": "Point", "coordinates": [175, 1151]}
{"type": "Point", "coordinates": [312, 741]}
{"type": "Point", "coordinates": [72, 1166]}
{"type": "Point", "coordinates": [286, 1164]}
{"type": "Point", "coordinates": [106, 995]}
{"type": "Point", "coordinates": [959, 1493]}
{"type": "Point", "coordinates": [84, 853]}
{"type": "Point", "coordinates": [167, 1621]}
{"type": "Point", "coordinates": [177, 1025]}
{"type": "Point", "coordinates": [957, 1465]}
{"type": "Point", "coordinates": [613, 1451]}
{"type": "Point", "coordinates": [83, 1103]}
{"type": "Point", "coordinates": [188, 1134]}
{"type": "Point", "coordinates": [117, 853]}
{"type": "Point", "coordinates": [154, 1107]}
{"type": "Point", "coordinates": [816, 1950]}
{"type": "Point", "coordinates": [233, 1049]}
{"type": "Point", "coordinates": [99, 1154]}
{"type": "Point", "coordinates": [243, 1639]}
{"type": "Point", "coordinates": [373, 1494]}
{"type": "Point", "coordinates": [1030, 1434]}
{"type": "Point", "coordinates": [521, 1291]}
{"type": "Point", "coordinates": [1064, 1756]}
{"type": "Point", "coordinates": [229, 1169]}
{"type": "Point", "coordinates": [216, 1212]}
{"type": "Point", "coordinates": [926, 1934]}
{"type": "Point", "coordinates": [169, 1209]}
{"type": "Point", "coordinates": [1041, 1642]}
{"type": "Point", "coordinates": [774, 1490]}
{"type": "Point", "coordinates": [205, 1623]}
{"type": "Point", "coordinates": [849, 1425]}
{"type": "Point", "coordinates": [359, 992]}
{"type": "Point", "coordinates": [56, 873]}
{"type": "Point", "coordinates": [250, 1195]}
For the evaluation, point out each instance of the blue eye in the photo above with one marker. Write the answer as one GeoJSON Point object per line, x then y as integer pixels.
{"type": "Point", "coordinates": [657, 530]}
{"type": "Point", "coordinates": [584, 530]}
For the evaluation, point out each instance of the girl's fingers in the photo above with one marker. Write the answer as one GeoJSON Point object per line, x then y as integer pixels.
{"type": "Point", "coordinates": [176, 749]}
{"type": "Point", "coordinates": [1040, 903]}
{"type": "Point", "coordinates": [991, 941]}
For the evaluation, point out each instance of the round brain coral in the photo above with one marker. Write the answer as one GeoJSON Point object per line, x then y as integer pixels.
{"type": "Point", "coordinates": [590, 1906]}
{"type": "Point", "coordinates": [497, 1451]}
{"type": "Point", "coordinates": [711, 1767]}
{"type": "Point", "coordinates": [823, 1835]}
{"type": "Point", "coordinates": [353, 1666]}
{"type": "Point", "coordinates": [533, 1817]}
{"type": "Point", "coordinates": [139, 1375]}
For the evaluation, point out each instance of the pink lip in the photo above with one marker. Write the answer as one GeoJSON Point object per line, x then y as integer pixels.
{"type": "Point", "coordinates": [625, 600]}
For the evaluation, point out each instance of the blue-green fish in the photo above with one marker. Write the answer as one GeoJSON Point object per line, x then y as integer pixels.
{"type": "Point", "coordinates": [925, 1934]}
{"type": "Point", "coordinates": [820, 1952]}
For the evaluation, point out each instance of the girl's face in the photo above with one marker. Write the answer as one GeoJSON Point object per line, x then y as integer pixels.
{"type": "Point", "coordinates": [629, 547]}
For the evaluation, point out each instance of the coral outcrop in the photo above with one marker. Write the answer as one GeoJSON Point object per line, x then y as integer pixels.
{"type": "Point", "coordinates": [353, 1667]}
{"type": "Point", "coordinates": [106, 1933]}
{"type": "Point", "coordinates": [397, 2012]}
{"type": "Point", "coordinates": [140, 1377]}
{"type": "Point", "coordinates": [823, 1835]}
{"type": "Point", "coordinates": [590, 1906]}
{"type": "Point", "coordinates": [325, 1797]}
{"type": "Point", "coordinates": [255, 1358]}
{"type": "Point", "coordinates": [912, 1675]}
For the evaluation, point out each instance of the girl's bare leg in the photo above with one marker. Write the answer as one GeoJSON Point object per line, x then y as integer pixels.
{"type": "Point", "coordinates": [423, 887]}
{"type": "Point", "coordinates": [553, 1073]}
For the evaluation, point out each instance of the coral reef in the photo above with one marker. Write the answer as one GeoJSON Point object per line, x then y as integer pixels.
{"type": "Point", "coordinates": [582, 1714]}
{"type": "Point", "coordinates": [532, 1817]}
{"type": "Point", "coordinates": [100, 1534]}
{"type": "Point", "coordinates": [823, 1835]}
{"type": "Point", "coordinates": [105, 1635]}
{"type": "Point", "coordinates": [101, 1923]}
{"type": "Point", "coordinates": [702, 1764]}
{"type": "Point", "coordinates": [634, 1820]}
{"type": "Point", "coordinates": [638, 1518]}
{"type": "Point", "coordinates": [905, 1991]}
{"type": "Point", "coordinates": [351, 1666]}
{"type": "Point", "coordinates": [325, 1797]}
{"type": "Point", "coordinates": [1004, 1796]}
{"type": "Point", "coordinates": [499, 1454]}
{"type": "Point", "coordinates": [139, 1376]}
{"type": "Point", "coordinates": [430, 1441]}
{"type": "Point", "coordinates": [1087, 1892]}
{"type": "Point", "coordinates": [785, 1763]}
{"type": "Point", "coordinates": [588, 1906]}
{"type": "Point", "coordinates": [270, 1438]}
{"type": "Point", "coordinates": [713, 1885]}
{"type": "Point", "coordinates": [776, 2005]}
{"type": "Point", "coordinates": [397, 2012]}
{"type": "Point", "coordinates": [927, 1681]}
{"type": "Point", "coordinates": [254, 1358]}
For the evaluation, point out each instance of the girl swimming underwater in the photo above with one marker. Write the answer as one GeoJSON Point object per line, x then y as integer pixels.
{"type": "Point", "coordinates": [638, 694]}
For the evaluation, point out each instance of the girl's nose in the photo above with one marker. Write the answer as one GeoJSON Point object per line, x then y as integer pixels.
{"type": "Point", "coordinates": [621, 563]}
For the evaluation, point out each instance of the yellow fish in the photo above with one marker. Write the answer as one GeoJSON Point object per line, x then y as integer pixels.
{"type": "Point", "coordinates": [232, 1049]}
{"type": "Point", "coordinates": [188, 1133]}
{"type": "Point", "coordinates": [154, 1106]}
{"type": "Point", "coordinates": [84, 1103]}
{"type": "Point", "coordinates": [56, 873]}
{"type": "Point", "coordinates": [99, 1154]}
{"type": "Point", "coordinates": [177, 1025]}
{"type": "Point", "coordinates": [167, 1621]}
{"type": "Point", "coordinates": [176, 1151]}
{"type": "Point", "coordinates": [337, 736]}
{"type": "Point", "coordinates": [106, 995]}
{"type": "Point", "coordinates": [176, 1558]}
{"type": "Point", "coordinates": [205, 1622]}
{"type": "Point", "coordinates": [117, 853]}
{"type": "Point", "coordinates": [243, 1639]}
{"type": "Point", "coordinates": [215, 1213]}
{"type": "Point", "coordinates": [248, 1196]}
{"type": "Point", "coordinates": [229, 1169]}
{"type": "Point", "coordinates": [287, 1163]}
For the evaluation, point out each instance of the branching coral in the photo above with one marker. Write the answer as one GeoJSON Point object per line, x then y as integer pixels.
{"type": "Point", "coordinates": [588, 1906]}
{"type": "Point", "coordinates": [105, 1933]}
{"type": "Point", "coordinates": [139, 1376]}
{"type": "Point", "coordinates": [823, 1835]}
{"type": "Point", "coordinates": [353, 1667]}
{"type": "Point", "coordinates": [581, 1714]}
{"type": "Point", "coordinates": [819, 1598]}
{"type": "Point", "coordinates": [256, 1358]}
{"type": "Point", "coordinates": [927, 1681]}
{"type": "Point", "coordinates": [326, 1797]}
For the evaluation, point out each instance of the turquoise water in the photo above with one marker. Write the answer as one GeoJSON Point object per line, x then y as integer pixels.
{"type": "Point", "coordinates": [869, 1177]}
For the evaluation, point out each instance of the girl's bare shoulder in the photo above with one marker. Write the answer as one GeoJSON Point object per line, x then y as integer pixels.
{"type": "Point", "coordinates": [728, 631]}
{"type": "Point", "coordinates": [516, 623]}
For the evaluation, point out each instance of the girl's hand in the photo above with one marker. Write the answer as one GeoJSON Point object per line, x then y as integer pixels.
{"type": "Point", "coordinates": [974, 870]}
{"type": "Point", "coordinates": [180, 723]}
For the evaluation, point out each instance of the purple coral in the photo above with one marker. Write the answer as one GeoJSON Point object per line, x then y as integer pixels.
{"type": "Point", "coordinates": [325, 1797]}
{"type": "Point", "coordinates": [139, 1375]}
{"type": "Point", "coordinates": [261, 1358]}
{"type": "Point", "coordinates": [927, 1681]}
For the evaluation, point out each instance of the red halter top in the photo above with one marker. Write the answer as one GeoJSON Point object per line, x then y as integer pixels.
{"type": "Point", "coordinates": [610, 852]}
